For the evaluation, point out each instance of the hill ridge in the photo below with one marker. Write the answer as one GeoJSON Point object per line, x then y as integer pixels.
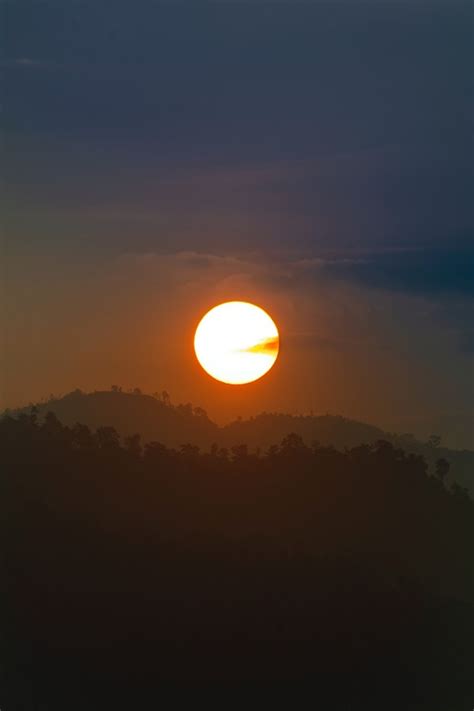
{"type": "Point", "coordinates": [154, 417]}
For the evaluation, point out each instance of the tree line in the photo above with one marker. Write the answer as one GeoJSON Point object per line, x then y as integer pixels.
{"type": "Point", "coordinates": [130, 559]}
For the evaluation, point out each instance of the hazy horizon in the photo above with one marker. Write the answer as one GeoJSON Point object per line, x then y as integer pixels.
{"type": "Point", "coordinates": [454, 435]}
{"type": "Point", "coordinates": [313, 159]}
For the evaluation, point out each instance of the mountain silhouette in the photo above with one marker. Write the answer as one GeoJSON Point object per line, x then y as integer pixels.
{"type": "Point", "coordinates": [157, 419]}
{"type": "Point", "coordinates": [127, 565]}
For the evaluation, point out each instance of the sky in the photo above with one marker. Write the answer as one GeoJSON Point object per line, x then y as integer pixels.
{"type": "Point", "coordinates": [312, 157]}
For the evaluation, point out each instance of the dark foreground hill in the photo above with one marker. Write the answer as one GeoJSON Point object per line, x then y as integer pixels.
{"type": "Point", "coordinates": [126, 569]}
{"type": "Point", "coordinates": [155, 418]}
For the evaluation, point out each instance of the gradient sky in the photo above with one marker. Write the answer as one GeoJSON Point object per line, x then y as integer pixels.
{"type": "Point", "coordinates": [314, 157]}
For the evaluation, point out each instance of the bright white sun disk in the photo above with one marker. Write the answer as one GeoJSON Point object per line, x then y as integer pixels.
{"type": "Point", "coordinates": [236, 342]}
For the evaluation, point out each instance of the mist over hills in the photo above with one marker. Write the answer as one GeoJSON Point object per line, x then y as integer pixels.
{"type": "Point", "coordinates": [156, 418]}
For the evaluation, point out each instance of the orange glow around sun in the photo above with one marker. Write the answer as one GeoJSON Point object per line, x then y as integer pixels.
{"type": "Point", "coordinates": [236, 342]}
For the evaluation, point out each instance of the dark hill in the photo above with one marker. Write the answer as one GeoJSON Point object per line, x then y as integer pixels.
{"type": "Point", "coordinates": [130, 413]}
{"type": "Point", "coordinates": [268, 428]}
{"type": "Point", "coordinates": [156, 419]}
{"type": "Point", "coordinates": [332, 430]}
{"type": "Point", "coordinates": [126, 570]}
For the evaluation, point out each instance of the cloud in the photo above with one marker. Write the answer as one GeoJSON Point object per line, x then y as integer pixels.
{"type": "Point", "coordinates": [134, 315]}
{"type": "Point", "coordinates": [414, 272]}
{"type": "Point", "coordinates": [417, 271]}
{"type": "Point", "coordinates": [269, 346]}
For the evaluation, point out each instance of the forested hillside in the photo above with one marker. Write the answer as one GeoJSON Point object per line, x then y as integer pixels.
{"type": "Point", "coordinates": [155, 417]}
{"type": "Point", "coordinates": [149, 564]}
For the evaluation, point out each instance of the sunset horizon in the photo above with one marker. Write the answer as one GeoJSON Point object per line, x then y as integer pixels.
{"type": "Point", "coordinates": [236, 351]}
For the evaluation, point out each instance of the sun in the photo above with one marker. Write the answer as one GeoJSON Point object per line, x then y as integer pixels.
{"type": "Point", "coordinates": [236, 342]}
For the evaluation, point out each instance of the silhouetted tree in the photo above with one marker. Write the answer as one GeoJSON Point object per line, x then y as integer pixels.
{"type": "Point", "coordinates": [291, 444]}
{"type": "Point", "coordinates": [82, 437]}
{"type": "Point", "coordinates": [52, 424]}
{"type": "Point", "coordinates": [155, 452]}
{"type": "Point", "coordinates": [239, 452]}
{"type": "Point", "coordinates": [133, 444]}
{"type": "Point", "coordinates": [442, 468]}
{"type": "Point", "coordinates": [107, 438]}
{"type": "Point", "coordinates": [434, 441]}
{"type": "Point", "coordinates": [189, 451]}
{"type": "Point", "coordinates": [157, 564]}
{"type": "Point", "coordinates": [185, 409]}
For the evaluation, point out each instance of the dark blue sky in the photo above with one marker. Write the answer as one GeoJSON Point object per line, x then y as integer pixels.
{"type": "Point", "coordinates": [333, 135]}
